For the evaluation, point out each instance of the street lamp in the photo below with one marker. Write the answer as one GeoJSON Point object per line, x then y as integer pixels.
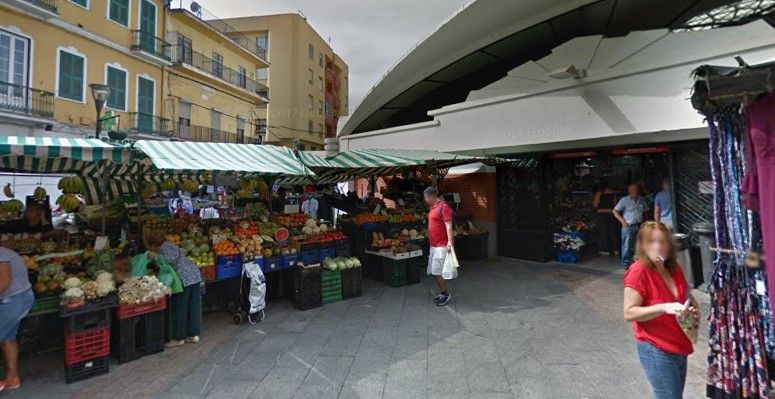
{"type": "Point", "coordinates": [100, 93]}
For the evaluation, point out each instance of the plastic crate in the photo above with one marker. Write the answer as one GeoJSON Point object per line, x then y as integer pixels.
{"type": "Point", "coordinates": [343, 248]}
{"type": "Point", "coordinates": [125, 344]}
{"type": "Point", "coordinates": [208, 273]}
{"type": "Point", "coordinates": [308, 300]}
{"type": "Point", "coordinates": [571, 257]}
{"type": "Point", "coordinates": [127, 311]}
{"type": "Point", "coordinates": [40, 334]}
{"type": "Point", "coordinates": [46, 304]}
{"type": "Point", "coordinates": [331, 282]}
{"type": "Point", "coordinates": [327, 252]}
{"type": "Point", "coordinates": [87, 345]}
{"type": "Point", "coordinates": [372, 267]}
{"type": "Point", "coordinates": [332, 298]}
{"type": "Point", "coordinates": [152, 333]}
{"type": "Point", "coordinates": [272, 264]}
{"type": "Point", "coordinates": [92, 305]}
{"type": "Point", "coordinates": [394, 272]}
{"type": "Point", "coordinates": [352, 283]}
{"type": "Point", "coordinates": [228, 266]}
{"type": "Point", "coordinates": [88, 369]}
{"type": "Point", "coordinates": [81, 322]}
{"type": "Point", "coordinates": [290, 260]}
{"type": "Point", "coordinates": [415, 267]}
{"type": "Point", "coordinates": [307, 279]}
{"type": "Point", "coordinates": [309, 257]}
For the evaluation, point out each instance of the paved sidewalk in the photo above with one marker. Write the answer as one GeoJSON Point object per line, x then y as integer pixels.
{"type": "Point", "coordinates": [515, 329]}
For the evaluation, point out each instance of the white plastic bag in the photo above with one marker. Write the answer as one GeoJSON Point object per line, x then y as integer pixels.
{"type": "Point", "coordinates": [257, 287]}
{"type": "Point", "coordinates": [449, 271]}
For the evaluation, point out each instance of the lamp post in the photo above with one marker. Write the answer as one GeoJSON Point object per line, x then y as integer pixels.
{"type": "Point", "coordinates": [100, 93]}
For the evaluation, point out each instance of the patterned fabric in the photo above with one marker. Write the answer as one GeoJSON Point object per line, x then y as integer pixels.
{"type": "Point", "coordinates": [187, 270]}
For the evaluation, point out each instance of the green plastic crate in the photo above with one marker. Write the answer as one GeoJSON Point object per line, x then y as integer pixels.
{"type": "Point", "coordinates": [332, 298]}
{"type": "Point", "coordinates": [46, 304]}
{"type": "Point", "coordinates": [394, 272]}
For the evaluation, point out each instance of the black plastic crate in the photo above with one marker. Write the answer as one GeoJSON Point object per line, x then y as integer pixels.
{"type": "Point", "coordinates": [81, 322]}
{"type": "Point", "coordinates": [40, 334]}
{"type": "Point", "coordinates": [90, 306]}
{"type": "Point", "coordinates": [343, 248]}
{"type": "Point", "coordinates": [394, 271]}
{"type": "Point", "coordinates": [125, 340]}
{"type": "Point", "coordinates": [372, 267]}
{"type": "Point", "coordinates": [88, 369]}
{"type": "Point", "coordinates": [152, 333]}
{"type": "Point", "coordinates": [352, 282]}
{"type": "Point", "coordinates": [275, 285]}
{"type": "Point", "coordinates": [307, 279]}
{"type": "Point", "coordinates": [415, 268]}
{"type": "Point", "coordinates": [308, 299]}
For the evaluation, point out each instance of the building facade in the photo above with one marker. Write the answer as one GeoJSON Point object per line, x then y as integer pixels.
{"type": "Point", "coordinates": [313, 77]}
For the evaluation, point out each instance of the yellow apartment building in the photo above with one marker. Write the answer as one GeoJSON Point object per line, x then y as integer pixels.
{"type": "Point", "coordinates": [313, 78]}
{"type": "Point", "coordinates": [212, 91]}
{"type": "Point", "coordinates": [50, 51]}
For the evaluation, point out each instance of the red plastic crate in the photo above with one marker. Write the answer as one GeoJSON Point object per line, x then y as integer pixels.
{"type": "Point", "coordinates": [87, 346]}
{"type": "Point", "coordinates": [127, 311]}
{"type": "Point", "coordinates": [208, 273]}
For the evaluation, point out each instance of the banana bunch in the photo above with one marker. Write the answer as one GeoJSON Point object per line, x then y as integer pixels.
{"type": "Point", "coordinates": [8, 191]}
{"type": "Point", "coordinates": [69, 202]}
{"type": "Point", "coordinates": [206, 178]}
{"type": "Point", "coordinates": [13, 206]}
{"type": "Point", "coordinates": [244, 193]}
{"type": "Point", "coordinates": [168, 185]}
{"type": "Point", "coordinates": [262, 187]}
{"type": "Point", "coordinates": [189, 185]}
{"type": "Point", "coordinates": [39, 194]}
{"type": "Point", "coordinates": [148, 190]}
{"type": "Point", "coordinates": [70, 185]}
{"type": "Point", "coordinates": [247, 184]}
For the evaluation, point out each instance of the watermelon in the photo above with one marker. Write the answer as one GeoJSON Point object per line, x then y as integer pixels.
{"type": "Point", "coordinates": [281, 234]}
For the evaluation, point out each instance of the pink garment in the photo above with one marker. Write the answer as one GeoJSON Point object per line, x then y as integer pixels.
{"type": "Point", "coordinates": [759, 181]}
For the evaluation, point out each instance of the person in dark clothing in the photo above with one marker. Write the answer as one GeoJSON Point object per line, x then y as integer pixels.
{"type": "Point", "coordinates": [607, 226]}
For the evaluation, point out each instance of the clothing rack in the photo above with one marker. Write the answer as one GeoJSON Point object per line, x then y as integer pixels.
{"type": "Point", "coordinates": [731, 251]}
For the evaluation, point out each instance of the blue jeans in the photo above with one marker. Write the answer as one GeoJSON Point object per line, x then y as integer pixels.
{"type": "Point", "coordinates": [629, 235]}
{"type": "Point", "coordinates": [12, 311]}
{"type": "Point", "coordinates": [666, 372]}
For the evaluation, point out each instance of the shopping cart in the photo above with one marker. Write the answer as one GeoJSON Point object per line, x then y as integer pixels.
{"type": "Point", "coordinates": [252, 291]}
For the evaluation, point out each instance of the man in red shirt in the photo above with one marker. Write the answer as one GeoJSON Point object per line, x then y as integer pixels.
{"type": "Point", "coordinates": [441, 239]}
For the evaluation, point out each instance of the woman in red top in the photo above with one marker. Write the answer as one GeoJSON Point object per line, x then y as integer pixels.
{"type": "Point", "coordinates": [655, 293]}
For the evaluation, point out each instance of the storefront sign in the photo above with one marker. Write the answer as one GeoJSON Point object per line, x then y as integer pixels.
{"type": "Point", "coordinates": [574, 155]}
{"type": "Point", "coordinates": [641, 150]}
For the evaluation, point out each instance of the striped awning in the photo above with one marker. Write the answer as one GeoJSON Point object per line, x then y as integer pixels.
{"type": "Point", "coordinates": [349, 165]}
{"type": "Point", "coordinates": [238, 159]}
{"type": "Point", "coordinates": [57, 154]}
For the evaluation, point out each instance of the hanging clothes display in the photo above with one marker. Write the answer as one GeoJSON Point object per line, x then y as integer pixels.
{"type": "Point", "coordinates": [740, 335]}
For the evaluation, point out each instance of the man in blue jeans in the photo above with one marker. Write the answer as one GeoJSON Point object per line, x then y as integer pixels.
{"type": "Point", "coordinates": [629, 212]}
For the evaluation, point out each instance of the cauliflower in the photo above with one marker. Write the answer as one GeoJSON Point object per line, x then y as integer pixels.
{"type": "Point", "coordinates": [323, 228]}
{"type": "Point", "coordinates": [72, 293]}
{"type": "Point", "coordinates": [72, 282]}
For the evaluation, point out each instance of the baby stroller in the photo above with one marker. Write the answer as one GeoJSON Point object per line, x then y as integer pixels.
{"type": "Point", "coordinates": [252, 292]}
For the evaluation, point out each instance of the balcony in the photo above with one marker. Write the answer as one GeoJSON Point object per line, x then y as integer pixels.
{"type": "Point", "coordinates": [330, 76]}
{"type": "Point", "coordinates": [39, 8]}
{"type": "Point", "coordinates": [143, 123]}
{"type": "Point", "coordinates": [185, 55]}
{"type": "Point", "coordinates": [261, 127]}
{"type": "Point", "coordinates": [207, 134]}
{"type": "Point", "coordinates": [24, 100]}
{"type": "Point", "coordinates": [150, 47]}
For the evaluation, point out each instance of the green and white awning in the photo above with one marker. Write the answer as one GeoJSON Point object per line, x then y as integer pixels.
{"type": "Point", "coordinates": [57, 154]}
{"type": "Point", "coordinates": [349, 165]}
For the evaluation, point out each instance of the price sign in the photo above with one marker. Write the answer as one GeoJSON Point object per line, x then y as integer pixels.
{"type": "Point", "coordinates": [100, 243]}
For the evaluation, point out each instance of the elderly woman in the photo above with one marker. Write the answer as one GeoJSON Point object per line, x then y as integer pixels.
{"type": "Point", "coordinates": [15, 302]}
{"type": "Point", "coordinates": [186, 307]}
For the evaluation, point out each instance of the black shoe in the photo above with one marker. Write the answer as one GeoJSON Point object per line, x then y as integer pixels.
{"type": "Point", "coordinates": [444, 300]}
{"type": "Point", "coordinates": [438, 298]}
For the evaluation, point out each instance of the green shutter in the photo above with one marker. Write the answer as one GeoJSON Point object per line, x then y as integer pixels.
{"type": "Point", "coordinates": [119, 11]}
{"type": "Point", "coordinates": [117, 83]}
{"type": "Point", "coordinates": [70, 76]}
{"type": "Point", "coordinates": [82, 3]}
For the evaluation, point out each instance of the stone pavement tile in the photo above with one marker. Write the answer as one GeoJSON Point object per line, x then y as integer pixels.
{"type": "Point", "coordinates": [201, 380]}
{"type": "Point", "coordinates": [254, 367]}
{"type": "Point", "coordinates": [280, 383]}
{"type": "Point", "coordinates": [366, 377]}
{"type": "Point", "coordinates": [407, 377]}
{"type": "Point", "coordinates": [521, 365]}
{"type": "Point", "coordinates": [446, 372]}
{"type": "Point", "coordinates": [317, 333]}
{"type": "Point", "coordinates": [411, 346]}
{"type": "Point", "coordinates": [404, 393]}
{"type": "Point", "coordinates": [232, 389]}
{"type": "Point", "coordinates": [534, 387]}
{"type": "Point", "coordinates": [342, 345]}
{"type": "Point", "coordinates": [277, 343]}
{"type": "Point", "coordinates": [301, 355]}
{"type": "Point", "coordinates": [326, 378]}
{"type": "Point", "coordinates": [486, 377]}
{"type": "Point", "coordinates": [378, 340]}
{"type": "Point", "coordinates": [173, 395]}
{"type": "Point", "coordinates": [317, 386]}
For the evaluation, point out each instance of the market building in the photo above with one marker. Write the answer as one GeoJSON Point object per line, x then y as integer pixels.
{"type": "Point", "coordinates": [51, 52]}
{"type": "Point", "coordinates": [313, 76]}
{"type": "Point", "coordinates": [577, 92]}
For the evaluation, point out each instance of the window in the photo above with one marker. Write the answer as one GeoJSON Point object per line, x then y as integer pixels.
{"type": "Point", "coordinates": [300, 147]}
{"type": "Point", "coordinates": [82, 3]}
{"type": "Point", "coordinates": [241, 78]}
{"type": "Point", "coordinates": [320, 60]}
{"type": "Point", "coordinates": [310, 76]}
{"type": "Point", "coordinates": [184, 119]}
{"type": "Point", "coordinates": [310, 101]}
{"type": "Point", "coordinates": [118, 12]}
{"type": "Point", "coordinates": [116, 79]}
{"type": "Point", "coordinates": [320, 107]}
{"type": "Point", "coordinates": [310, 126]}
{"type": "Point", "coordinates": [185, 53]}
{"type": "Point", "coordinates": [311, 51]}
{"type": "Point", "coordinates": [262, 73]}
{"type": "Point", "coordinates": [240, 130]}
{"type": "Point", "coordinates": [71, 76]}
{"type": "Point", "coordinates": [217, 65]}
{"type": "Point", "coordinates": [321, 129]}
{"type": "Point", "coordinates": [262, 45]}
{"type": "Point", "coordinates": [14, 69]}
{"type": "Point", "coordinates": [320, 83]}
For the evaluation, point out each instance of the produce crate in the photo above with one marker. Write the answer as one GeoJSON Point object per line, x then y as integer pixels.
{"type": "Point", "coordinates": [307, 287]}
{"type": "Point", "coordinates": [208, 273]}
{"type": "Point", "coordinates": [124, 340]}
{"type": "Point", "coordinates": [571, 257]}
{"type": "Point", "coordinates": [352, 283]}
{"type": "Point", "coordinates": [331, 281]}
{"type": "Point", "coordinates": [88, 369]}
{"type": "Point", "coordinates": [40, 334]}
{"type": "Point", "coordinates": [309, 257]}
{"type": "Point", "coordinates": [327, 252]}
{"type": "Point", "coordinates": [308, 246]}
{"type": "Point", "coordinates": [333, 297]}
{"type": "Point", "coordinates": [107, 302]}
{"type": "Point", "coordinates": [152, 333]}
{"type": "Point", "coordinates": [87, 345]}
{"type": "Point", "coordinates": [46, 304]}
{"type": "Point", "coordinates": [372, 268]}
{"type": "Point", "coordinates": [82, 322]}
{"type": "Point", "coordinates": [415, 267]}
{"type": "Point", "coordinates": [127, 311]}
{"type": "Point", "coordinates": [272, 264]}
{"type": "Point", "coordinates": [309, 300]}
{"type": "Point", "coordinates": [394, 271]}
{"type": "Point", "coordinates": [228, 266]}
{"type": "Point", "coordinates": [290, 260]}
{"type": "Point", "coordinates": [343, 248]}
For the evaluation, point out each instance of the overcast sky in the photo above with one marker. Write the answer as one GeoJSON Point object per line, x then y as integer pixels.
{"type": "Point", "coordinates": [370, 35]}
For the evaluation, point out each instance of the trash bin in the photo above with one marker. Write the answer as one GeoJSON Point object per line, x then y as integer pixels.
{"type": "Point", "coordinates": [683, 244]}
{"type": "Point", "coordinates": [706, 233]}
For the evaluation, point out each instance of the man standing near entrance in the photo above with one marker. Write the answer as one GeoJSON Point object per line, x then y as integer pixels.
{"type": "Point", "coordinates": [663, 206]}
{"type": "Point", "coordinates": [629, 212]}
{"type": "Point", "coordinates": [441, 239]}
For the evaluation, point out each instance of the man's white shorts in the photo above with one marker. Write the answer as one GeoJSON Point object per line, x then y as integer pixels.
{"type": "Point", "coordinates": [436, 259]}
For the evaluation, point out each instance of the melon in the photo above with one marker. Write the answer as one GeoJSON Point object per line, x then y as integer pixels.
{"type": "Point", "coordinates": [282, 234]}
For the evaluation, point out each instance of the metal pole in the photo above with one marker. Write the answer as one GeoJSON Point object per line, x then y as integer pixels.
{"type": "Point", "coordinates": [104, 192]}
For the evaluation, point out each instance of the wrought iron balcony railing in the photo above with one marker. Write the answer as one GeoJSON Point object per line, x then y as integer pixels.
{"type": "Point", "coordinates": [142, 122]}
{"type": "Point", "coordinates": [26, 100]}
{"type": "Point", "coordinates": [49, 5]}
{"type": "Point", "coordinates": [147, 42]}
{"type": "Point", "coordinates": [208, 134]}
{"type": "Point", "coordinates": [185, 55]}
